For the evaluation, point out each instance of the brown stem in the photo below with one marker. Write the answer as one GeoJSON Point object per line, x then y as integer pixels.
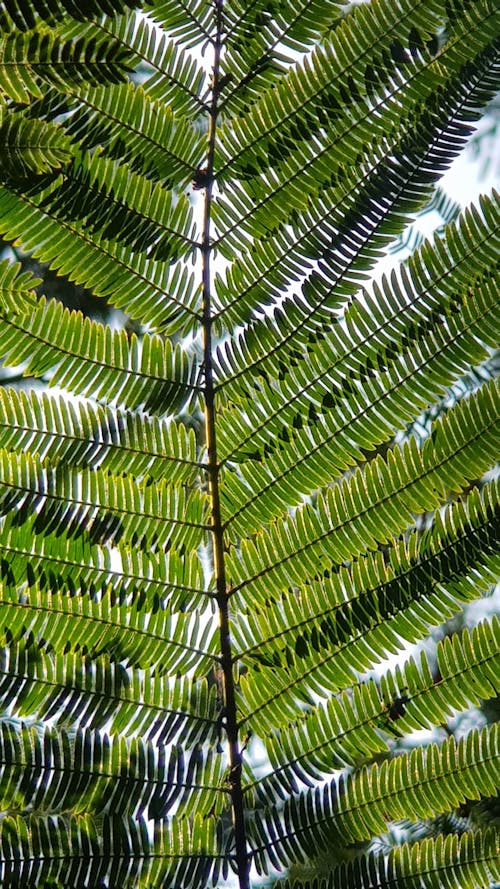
{"type": "Point", "coordinates": [222, 591]}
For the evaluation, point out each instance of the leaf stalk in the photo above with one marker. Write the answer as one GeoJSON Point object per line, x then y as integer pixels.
{"type": "Point", "coordinates": [213, 467]}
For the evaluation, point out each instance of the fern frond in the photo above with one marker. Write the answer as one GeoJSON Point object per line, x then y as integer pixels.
{"type": "Point", "coordinates": [155, 638]}
{"type": "Point", "coordinates": [191, 22]}
{"type": "Point", "coordinates": [468, 861]}
{"type": "Point", "coordinates": [356, 724]}
{"type": "Point", "coordinates": [89, 435]}
{"type": "Point", "coordinates": [150, 134]}
{"type": "Point", "coordinates": [144, 288]}
{"type": "Point", "coordinates": [30, 60]}
{"type": "Point", "coordinates": [31, 147]}
{"type": "Point", "coordinates": [26, 14]}
{"type": "Point", "coordinates": [72, 690]}
{"type": "Point", "coordinates": [173, 75]}
{"type": "Point", "coordinates": [261, 43]}
{"type": "Point", "coordinates": [223, 519]}
{"type": "Point", "coordinates": [403, 160]}
{"type": "Point", "coordinates": [391, 314]}
{"type": "Point", "coordinates": [80, 850]}
{"type": "Point", "coordinates": [35, 555]}
{"type": "Point", "coordinates": [134, 127]}
{"type": "Point", "coordinates": [261, 495]}
{"type": "Point", "coordinates": [121, 205]}
{"type": "Point", "coordinates": [373, 505]}
{"type": "Point", "coordinates": [87, 772]}
{"type": "Point", "coordinates": [370, 374]}
{"type": "Point", "coordinates": [102, 507]}
{"type": "Point", "coordinates": [360, 807]}
{"type": "Point", "coordinates": [84, 356]}
{"type": "Point", "coordinates": [344, 623]}
{"type": "Point", "coordinates": [313, 84]}
{"type": "Point", "coordinates": [287, 193]}
{"type": "Point", "coordinates": [125, 206]}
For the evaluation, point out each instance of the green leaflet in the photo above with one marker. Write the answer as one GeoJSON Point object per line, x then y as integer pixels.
{"type": "Point", "coordinates": [422, 292]}
{"type": "Point", "coordinates": [110, 198]}
{"type": "Point", "coordinates": [31, 147]}
{"type": "Point", "coordinates": [191, 23]}
{"type": "Point", "coordinates": [356, 514]}
{"type": "Point", "coordinates": [350, 416]}
{"type": "Point", "coordinates": [28, 60]}
{"type": "Point", "coordinates": [352, 40]}
{"type": "Point", "coordinates": [174, 77]}
{"type": "Point", "coordinates": [143, 287]}
{"type": "Point", "coordinates": [469, 859]}
{"type": "Point", "coordinates": [324, 214]}
{"type": "Point", "coordinates": [75, 548]}
{"type": "Point", "coordinates": [114, 847]}
{"type": "Point", "coordinates": [133, 634]}
{"type": "Point", "coordinates": [101, 694]}
{"type": "Point", "coordinates": [263, 41]}
{"type": "Point", "coordinates": [86, 434]}
{"type": "Point", "coordinates": [376, 794]}
{"type": "Point", "coordinates": [105, 507]}
{"type": "Point", "coordinates": [17, 289]}
{"type": "Point", "coordinates": [25, 14]}
{"type": "Point", "coordinates": [353, 727]}
{"type": "Point", "coordinates": [344, 622]}
{"type": "Point", "coordinates": [84, 356]}
{"type": "Point", "coordinates": [140, 777]}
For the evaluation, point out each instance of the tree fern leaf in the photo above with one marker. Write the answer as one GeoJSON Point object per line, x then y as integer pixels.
{"type": "Point", "coordinates": [332, 215]}
{"type": "Point", "coordinates": [81, 851]}
{"type": "Point", "coordinates": [104, 508]}
{"type": "Point", "coordinates": [360, 38]}
{"type": "Point", "coordinates": [413, 370]}
{"type": "Point", "coordinates": [32, 556]}
{"type": "Point", "coordinates": [300, 175]}
{"type": "Point", "coordinates": [31, 147]}
{"type": "Point", "coordinates": [17, 288]}
{"type": "Point", "coordinates": [176, 78]}
{"type": "Point", "coordinates": [135, 128]}
{"type": "Point", "coordinates": [408, 481]}
{"type": "Point", "coordinates": [291, 26]}
{"type": "Point", "coordinates": [468, 861]}
{"type": "Point", "coordinates": [89, 772]}
{"type": "Point", "coordinates": [391, 312]}
{"type": "Point", "coordinates": [173, 75]}
{"type": "Point", "coordinates": [104, 627]}
{"type": "Point", "coordinates": [352, 726]}
{"type": "Point", "coordinates": [263, 489]}
{"type": "Point", "coordinates": [261, 43]}
{"type": "Point", "coordinates": [206, 563]}
{"type": "Point", "coordinates": [138, 285]}
{"type": "Point", "coordinates": [87, 435]}
{"type": "Point", "coordinates": [31, 59]}
{"type": "Point", "coordinates": [191, 23]}
{"type": "Point", "coordinates": [344, 624]}
{"type": "Point", "coordinates": [306, 171]}
{"type": "Point", "coordinates": [363, 804]}
{"type": "Point", "coordinates": [25, 14]}
{"type": "Point", "coordinates": [83, 356]}
{"type": "Point", "coordinates": [71, 690]}
{"type": "Point", "coordinates": [121, 205]}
